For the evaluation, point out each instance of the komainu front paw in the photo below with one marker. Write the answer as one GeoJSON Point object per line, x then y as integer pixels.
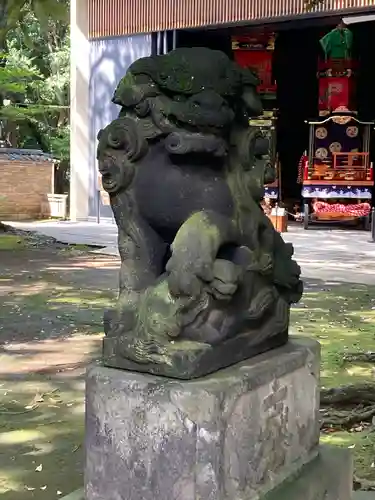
{"type": "Point", "coordinates": [188, 277]}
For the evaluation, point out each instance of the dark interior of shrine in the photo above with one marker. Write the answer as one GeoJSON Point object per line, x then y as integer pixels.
{"type": "Point", "coordinates": [295, 64]}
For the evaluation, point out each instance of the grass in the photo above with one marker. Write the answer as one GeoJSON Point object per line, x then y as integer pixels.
{"type": "Point", "coordinates": [11, 242]}
{"type": "Point", "coordinates": [63, 300]}
{"type": "Point", "coordinates": [362, 445]}
{"type": "Point", "coordinates": [51, 310]}
{"type": "Point", "coordinates": [78, 248]}
{"type": "Point", "coordinates": [41, 435]}
{"type": "Point", "coordinates": [342, 318]}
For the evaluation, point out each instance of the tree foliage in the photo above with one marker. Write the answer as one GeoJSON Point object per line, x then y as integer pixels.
{"type": "Point", "coordinates": [34, 74]}
{"type": "Point", "coordinates": [14, 13]}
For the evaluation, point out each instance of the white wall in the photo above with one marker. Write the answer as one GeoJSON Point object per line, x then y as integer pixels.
{"type": "Point", "coordinates": [109, 60]}
{"type": "Point", "coordinates": [79, 112]}
{"type": "Point", "coordinates": [96, 68]}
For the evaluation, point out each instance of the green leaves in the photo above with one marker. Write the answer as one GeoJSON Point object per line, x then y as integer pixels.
{"type": "Point", "coordinates": [16, 80]}
{"type": "Point", "coordinates": [35, 74]}
{"type": "Point", "coordinates": [45, 10]}
{"type": "Point", "coordinates": [60, 143]}
{"type": "Point", "coordinates": [13, 12]}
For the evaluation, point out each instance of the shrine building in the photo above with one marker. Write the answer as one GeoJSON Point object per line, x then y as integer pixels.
{"type": "Point", "coordinates": [108, 35]}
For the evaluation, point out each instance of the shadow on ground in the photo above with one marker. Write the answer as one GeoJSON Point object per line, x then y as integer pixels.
{"type": "Point", "coordinates": [51, 307]}
{"type": "Point", "coordinates": [42, 428]}
{"type": "Point", "coordinates": [341, 316]}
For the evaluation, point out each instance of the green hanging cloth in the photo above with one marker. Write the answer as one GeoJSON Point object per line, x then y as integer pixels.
{"type": "Point", "coordinates": [337, 44]}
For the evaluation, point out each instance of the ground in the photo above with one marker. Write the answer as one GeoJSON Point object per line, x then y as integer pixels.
{"type": "Point", "coordinates": [51, 308]}
{"type": "Point", "coordinates": [341, 317]}
{"type": "Point", "coordinates": [51, 304]}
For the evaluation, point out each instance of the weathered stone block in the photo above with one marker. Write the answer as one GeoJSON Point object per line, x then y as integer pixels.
{"type": "Point", "coordinates": [76, 495]}
{"type": "Point", "coordinates": [232, 435]}
{"type": "Point", "coordinates": [328, 477]}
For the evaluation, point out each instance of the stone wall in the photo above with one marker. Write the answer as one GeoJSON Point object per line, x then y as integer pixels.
{"type": "Point", "coordinates": [26, 177]}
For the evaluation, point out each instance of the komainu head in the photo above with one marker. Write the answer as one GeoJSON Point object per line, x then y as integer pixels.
{"type": "Point", "coordinates": [190, 99]}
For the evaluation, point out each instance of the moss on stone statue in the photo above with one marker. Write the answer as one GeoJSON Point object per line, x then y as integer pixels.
{"type": "Point", "coordinates": [185, 175]}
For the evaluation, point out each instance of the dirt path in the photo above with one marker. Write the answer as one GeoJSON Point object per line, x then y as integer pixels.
{"type": "Point", "coordinates": [51, 306]}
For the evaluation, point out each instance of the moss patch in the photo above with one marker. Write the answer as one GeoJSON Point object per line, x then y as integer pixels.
{"type": "Point", "coordinates": [51, 325]}
{"type": "Point", "coordinates": [342, 318]}
{"type": "Point", "coordinates": [41, 435]}
{"type": "Point", "coordinates": [362, 445]}
{"type": "Point", "coordinates": [11, 242]}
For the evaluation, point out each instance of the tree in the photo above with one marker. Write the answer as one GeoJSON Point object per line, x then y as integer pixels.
{"type": "Point", "coordinates": [39, 59]}
{"type": "Point", "coordinates": [12, 13]}
{"type": "Point", "coordinates": [34, 75]}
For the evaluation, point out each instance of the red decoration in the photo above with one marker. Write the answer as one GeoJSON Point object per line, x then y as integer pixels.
{"type": "Point", "coordinates": [303, 169]}
{"type": "Point", "coordinates": [337, 84]}
{"type": "Point", "coordinates": [370, 175]}
{"type": "Point", "coordinates": [357, 210]}
{"type": "Point", "coordinates": [255, 53]}
{"type": "Point", "coordinates": [335, 92]}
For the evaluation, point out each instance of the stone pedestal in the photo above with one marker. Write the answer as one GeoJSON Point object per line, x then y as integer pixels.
{"type": "Point", "coordinates": [247, 432]}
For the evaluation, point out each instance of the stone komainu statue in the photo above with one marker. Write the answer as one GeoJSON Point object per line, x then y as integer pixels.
{"type": "Point", "coordinates": [205, 279]}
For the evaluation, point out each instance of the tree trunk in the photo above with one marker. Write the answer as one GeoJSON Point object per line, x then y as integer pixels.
{"type": "Point", "coordinates": [346, 395]}
{"type": "Point", "coordinates": [331, 417]}
{"type": "Point", "coordinates": [348, 405]}
{"type": "Point", "coordinates": [359, 357]}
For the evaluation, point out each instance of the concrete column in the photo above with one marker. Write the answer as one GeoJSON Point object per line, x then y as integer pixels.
{"type": "Point", "coordinates": [79, 111]}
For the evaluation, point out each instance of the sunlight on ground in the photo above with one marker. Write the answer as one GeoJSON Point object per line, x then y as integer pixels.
{"type": "Point", "coordinates": [55, 318]}
{"type": "Point", "coordinates": [82, 300]}
{"type": "Point", "coordinates": [51, 326]}
{"type": "Point", "coordinates": [341, 318]}
{"type": "Point", "coordinates": [41, 441]}
{"type": "Point", "coordinates": [20, 436]}
{"type": "Point", "coordinates": [362, 445]}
